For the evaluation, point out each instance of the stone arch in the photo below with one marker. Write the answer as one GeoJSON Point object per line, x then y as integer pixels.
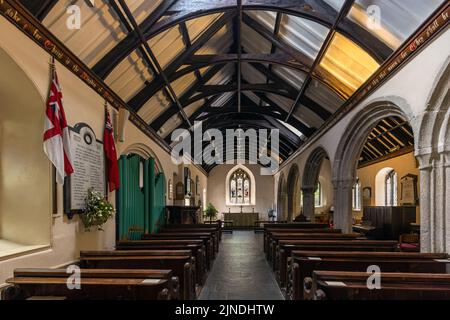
{"type": "Point", "coordinates": [310, 179]}
{"type": "Point", "coordinates": [281, 198]}
{"type": "Point", "coordinates": [433, 154]}
{"type": "Point", "coordinates": [143, 151]}
{"type": "Point", "coordinates": [349, 149]}
{"type": "Point", "coordinates": [293, 192]}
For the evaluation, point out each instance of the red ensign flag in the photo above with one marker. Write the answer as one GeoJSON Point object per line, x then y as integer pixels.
{"type": "Point", "coordinates": [111, 155]}
{"type": "Point", "coordinates": [56, 132]}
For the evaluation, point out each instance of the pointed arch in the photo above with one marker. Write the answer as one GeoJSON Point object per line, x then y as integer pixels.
{"type": "Point", "coordinates": [293, 192]}
{"type": "Point", "coordinates": [349, 150]}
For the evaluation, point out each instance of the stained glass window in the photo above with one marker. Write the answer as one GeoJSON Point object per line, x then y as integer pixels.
{"type": "Point", "coordinates": [240, 187]}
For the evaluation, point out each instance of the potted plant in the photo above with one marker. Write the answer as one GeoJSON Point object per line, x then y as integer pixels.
{"type": "Point", "coordinates": [98, 211]}
{"type": "Point", "coordinates": [210, 212]}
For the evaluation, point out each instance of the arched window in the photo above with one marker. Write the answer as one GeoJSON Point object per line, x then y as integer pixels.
{"type": "Point", "coordinates": [187, 182]}
{"type": "Point", "coordinates": [391, 188]}
{"type": "Point", "coordinates": [356, 195]}
{"type": "Point", "coordinates": [197, 185]}
{"type": "Point", "coordinates": [318, 195]}
{"type": "Point", "coordinates": [240, 187]}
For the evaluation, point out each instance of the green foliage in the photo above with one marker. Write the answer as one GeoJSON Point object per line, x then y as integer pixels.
{"type": "Point", "coordinates": [98, 211]}
{"type": "Point", "coordinates": [210, 211]}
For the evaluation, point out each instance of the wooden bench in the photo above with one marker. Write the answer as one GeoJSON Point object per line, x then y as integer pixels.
{"type": "Point", "coordinates": [196, 265]}
{"type": "Point", "coordinates": [213, 234]}
{"type": "Point", "coordinates": [338, 285]}
{"type": "Point", "coordinates": [175, 244]}
{"type": "Point", "coordinates": [207, 239]}
{"type": "Point", "coordinates": [276, 237]}
{"type": "Point", "coordinates": [297, 225]}
{"type": "Point", "coordinates": [286, 247]}
{"type": "Point", "coordinates": [268, 234]}
{"type": "Point", "coordinates": [305, 262]}
{"type": "Point", "coordinates": [215, 227]}
{"type": "Point", "coordinates": [180, 265]}
{"type": "Point", "coordinates": [94, 285]}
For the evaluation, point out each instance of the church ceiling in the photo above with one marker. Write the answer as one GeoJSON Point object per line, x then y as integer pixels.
{"type": "Point", "coordinates": [392, 136]}
{"type": "Point", "coordinates": [272, 64]}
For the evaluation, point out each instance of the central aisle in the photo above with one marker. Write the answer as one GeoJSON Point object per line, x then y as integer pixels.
{"type": "Point", "coordinates": [240, 271]}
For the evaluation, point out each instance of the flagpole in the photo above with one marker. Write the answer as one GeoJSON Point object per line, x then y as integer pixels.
{"type": "Point", "coordinates": [104, 153]}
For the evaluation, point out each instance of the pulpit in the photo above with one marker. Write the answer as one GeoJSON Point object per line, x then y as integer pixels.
{"type": "Point", "coordinates": [242, 219]}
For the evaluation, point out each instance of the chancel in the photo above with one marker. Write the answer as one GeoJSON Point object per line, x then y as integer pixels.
{"type": "Point", "coordinates": [224, 150]}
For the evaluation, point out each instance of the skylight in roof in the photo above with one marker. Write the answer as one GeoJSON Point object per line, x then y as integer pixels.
{"type": "Point", "coordinates": [348, 64]}
{"type": "Point", "coordinates": [302, 34]}
{"type": "Point", "coordinates": [392, 21]}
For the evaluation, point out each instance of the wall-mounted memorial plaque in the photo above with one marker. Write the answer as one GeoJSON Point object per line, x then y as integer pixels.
{"type": "Point", "coordinates": [179, 191]}
{"type": "Point", "coordinates": [409, 194]}
{"type": "Point", "coordinates": [89, 169]}
{"type": "Point", "coordinates": [367, 196]}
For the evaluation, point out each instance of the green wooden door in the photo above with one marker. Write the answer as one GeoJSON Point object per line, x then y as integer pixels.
{"type": "Point", "coordinates": [131, 199]}
{"type": "Point", "coordinates": [160, 202]}
{"type": "Point", "coordinates": [140, 199]}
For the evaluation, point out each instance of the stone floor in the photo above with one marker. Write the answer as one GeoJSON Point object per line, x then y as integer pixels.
{"type": "Point", "coordinates": [240, 271]}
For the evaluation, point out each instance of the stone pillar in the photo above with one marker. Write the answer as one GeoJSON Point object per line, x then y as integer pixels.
{"type": "Point", "coordinates": [308, 201]}
{"type": "Point", "coordinates": [434, 202]}
{"type": "Point", "coordinates": [343, 205]}
{"type": "Point", "coordinates": [425, 203]}
{"type": "Point", "coordinates": [439, 204]}
{"type": "Point", "coordinates": [446, 192]}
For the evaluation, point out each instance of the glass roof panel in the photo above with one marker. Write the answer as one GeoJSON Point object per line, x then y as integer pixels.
{"type": "Point", "coordinates": [392, 21]}
{"type": "Point", "coordinates": [293, 77]}
{"type": "Point", "coordinates": [324, 96]}
{"type": "Point", "coordinates": [335, 4]}
{"type": "Point", "coordinates": [302, 34]}
{"type": "Point", "coordinates": [265, 18]}
{"type": "Point", "coordinates": [345, 66]}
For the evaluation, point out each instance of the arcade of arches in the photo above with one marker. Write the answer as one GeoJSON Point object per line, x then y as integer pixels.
{"type": "Point", "coordinates": [362, 149]}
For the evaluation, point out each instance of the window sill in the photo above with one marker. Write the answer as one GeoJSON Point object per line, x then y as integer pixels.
{"type": "Point", "coordinates": [10, 249]}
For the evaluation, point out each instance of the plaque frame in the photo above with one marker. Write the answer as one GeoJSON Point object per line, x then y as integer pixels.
{"type": "Point", "coordinates": [67, 205]}
{"type": "Point", "coordinates": [179, 191]}
{"type": "Point", "coordinates": [414, 179]}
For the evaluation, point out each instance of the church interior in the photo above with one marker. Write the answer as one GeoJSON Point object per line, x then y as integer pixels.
{"type": "Point", "coordinates": [224, 150]}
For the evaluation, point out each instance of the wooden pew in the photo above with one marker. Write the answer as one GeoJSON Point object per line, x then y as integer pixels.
{"type": "Point", "coordinates": [276, 237]}
{"type": "Point", "coordinates": [213, 233]}
{"type": "Point", "coordinates": [214, 226]}
{"type": "Point", "coordinates": [339, 285]}
{"type": "Point", "coordinates": [305, 262]}
{"type": "Point", "coordinates": [199, 276]}
{"type": "Point", "coordinates": [301, 225]}
{"type": "Point", "coordinates": [178, 244]}
{"type": "Point", "coordinates": [180, 265]}
{"type": "Point", "coordinates": [269, 232]}
{"type": "Point", "coordinates": [295, 225]}
{"type": "Point", "coordinates": [117, 284]}
{"type": "Point", "coordinates": [207, 239]}
{"type": "Point", "coordinates": [286, 247]}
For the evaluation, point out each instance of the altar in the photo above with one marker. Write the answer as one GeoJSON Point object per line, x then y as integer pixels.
{"type": "Point", "coordinates": [241, 219]}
